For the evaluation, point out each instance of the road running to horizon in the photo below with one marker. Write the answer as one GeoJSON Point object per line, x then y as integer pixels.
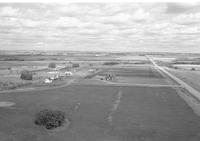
{"type": "Point", "coordinates": [189, 88]}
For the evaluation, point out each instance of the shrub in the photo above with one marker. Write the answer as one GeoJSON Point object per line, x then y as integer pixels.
{"type": "Point", "coordinates": [193, 69]}
{"type": "Point", "coordinates": [26, 75]}
{"type": "Point", "coordinates": [75, 65]}
{"type": "Point", "coordinates": [50, 118]}
{"type": "Point", "coordinates": [52, 65]}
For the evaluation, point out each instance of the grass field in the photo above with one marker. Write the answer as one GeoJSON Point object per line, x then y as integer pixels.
{"type": "Point", "coordinates": [151, 111]}
{"type": "Point", "coordinates": [134, 71]}
{"type": "Point", "coordinates": [190, 77]}
{"type": "Point", "coordinates": [152, 114]}
{"type": "Point", "coordinates": [134, 75]}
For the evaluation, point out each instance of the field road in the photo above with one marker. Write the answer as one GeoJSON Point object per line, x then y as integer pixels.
{"type": "Point", "coordinates": [128, 84]}
{"type": "Point", "coordinates": [38, 88]}
{"type": "Point", "coordinates": [190, 89]}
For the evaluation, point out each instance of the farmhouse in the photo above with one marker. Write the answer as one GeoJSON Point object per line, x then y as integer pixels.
{"type": "Point", "coordinates": [91, 70]}
{"type": "Point", "coordinates": [68, 73]}
{"type": "Point", "coordinates": [48, 81]}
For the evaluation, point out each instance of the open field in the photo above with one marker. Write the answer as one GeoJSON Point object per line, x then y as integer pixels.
{"type": "Point", "coordinates": [152, 114]}
{"type": "Point", "coordinates": [141, 104]}
{"type": "Point", "coordinates": [190, 77]}
{"type": "Point", "coordinates": [136, 74]}
{"type": "Point", "coordinates": [140, 71]}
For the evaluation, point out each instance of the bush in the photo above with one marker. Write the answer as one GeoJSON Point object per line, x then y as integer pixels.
{"type": "Point", "coordinates": [52, 65]}
{"type": "Point", "coordinates": [26, 75]}
{"type": "Point", "coordinates": [50, 118]}
{"type": "Point", "coordinates": [75, 65]}
{"type": "Point", "coordinates": [193, 69]}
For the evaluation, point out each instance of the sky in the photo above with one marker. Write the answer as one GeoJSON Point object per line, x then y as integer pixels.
{"type": "Point", "coordinates": [117, 27]}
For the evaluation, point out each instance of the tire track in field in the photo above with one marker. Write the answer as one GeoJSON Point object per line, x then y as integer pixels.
{"type": "Point", "coordinates": [114, 108]}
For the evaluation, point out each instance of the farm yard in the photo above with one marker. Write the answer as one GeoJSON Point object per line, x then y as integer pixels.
{"type": "Point", "coordinates": [10, 72]}
{"type": "Point", "coordinates": [104, 101]}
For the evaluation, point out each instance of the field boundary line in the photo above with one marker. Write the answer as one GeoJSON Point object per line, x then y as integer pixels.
{"type": "Point", "coordinates": [38, 88]}
{"type": "Point", "coordinates": [126, 84]}
{"type": "Point", "coordinates": [115, 106]}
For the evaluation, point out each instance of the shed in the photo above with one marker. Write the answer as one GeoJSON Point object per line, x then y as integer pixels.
{"type": "Point", "coordinates": [48, 81]}
{"type": "Point", "coordinates": [68, 73]}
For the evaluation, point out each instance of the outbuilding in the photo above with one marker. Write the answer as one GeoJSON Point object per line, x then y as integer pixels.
{"type": "Point", "coordinates": [68, 73]}
{"type": "Point", "coordinates": [48, 80]}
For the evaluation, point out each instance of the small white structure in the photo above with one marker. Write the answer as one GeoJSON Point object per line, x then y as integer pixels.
{"type": "Point", "coordinates": [91, 70]}
{"type": "Point", "coordinates": [53, 72]}
{"type": "Point", "coordinates": [51, 78]}
{"type": "Point", "coordinates": [68, 73]}
{"type": "Point", "coordinates": [48, 81]}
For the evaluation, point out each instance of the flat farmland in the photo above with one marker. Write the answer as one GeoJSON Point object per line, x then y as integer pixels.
{"type": "Point", "coordinates": [134, 71]}
{"type": "Point", "coordinates": [135, 75]}
{"type": "Point", "coordinates": [188, 76]}
{"type": "Point", "coordinates": [106, 113]}
{"type": "Point", "coordinates": [140, 105]}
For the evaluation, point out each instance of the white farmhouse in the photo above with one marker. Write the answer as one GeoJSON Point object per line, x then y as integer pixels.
{"type": "Point", "coordinates": [68, 73]}
{"type": "Point", "coordinates": [48, 81]}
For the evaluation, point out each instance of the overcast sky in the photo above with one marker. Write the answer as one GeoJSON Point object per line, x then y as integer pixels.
{"type": "Point", "coordinates": [173, 27]}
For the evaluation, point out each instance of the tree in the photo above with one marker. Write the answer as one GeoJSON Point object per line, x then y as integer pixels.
{"type": "Point", "coordinates": [50, 118]}
{"type": "Point", "coordinates": [26, 75]}
{"type": "Point", "coordinates": [52, 65]}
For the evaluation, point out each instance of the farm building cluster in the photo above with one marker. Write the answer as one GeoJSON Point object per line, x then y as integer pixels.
{"type": "Point", "coordinates": [56, 75]}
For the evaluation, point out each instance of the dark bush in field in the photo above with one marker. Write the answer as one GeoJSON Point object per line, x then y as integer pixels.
{"type": "Point", "coordinates": [193, 69]}
{"type": "Point", "coordinates": [52, 65]}
{"type": "Point", "coordinates": [26, 75]}
{"type": "Point", "coordinates": [75, 65]}
{"type": "Point", "coordinates": [50, 118]}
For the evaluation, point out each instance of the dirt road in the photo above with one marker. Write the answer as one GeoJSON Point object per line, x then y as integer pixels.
{"type": "Point", "coordinates": [190, 89]}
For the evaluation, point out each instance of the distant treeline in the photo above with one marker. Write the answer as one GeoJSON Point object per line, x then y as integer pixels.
{"type": "Point", "coordinates": [194, 61]}
{"type": "Point", "coordinates": [111, 63]}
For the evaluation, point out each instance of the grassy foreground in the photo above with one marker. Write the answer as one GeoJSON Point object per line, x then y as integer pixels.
{"type": "Point", "coordinates": [153, 114]}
